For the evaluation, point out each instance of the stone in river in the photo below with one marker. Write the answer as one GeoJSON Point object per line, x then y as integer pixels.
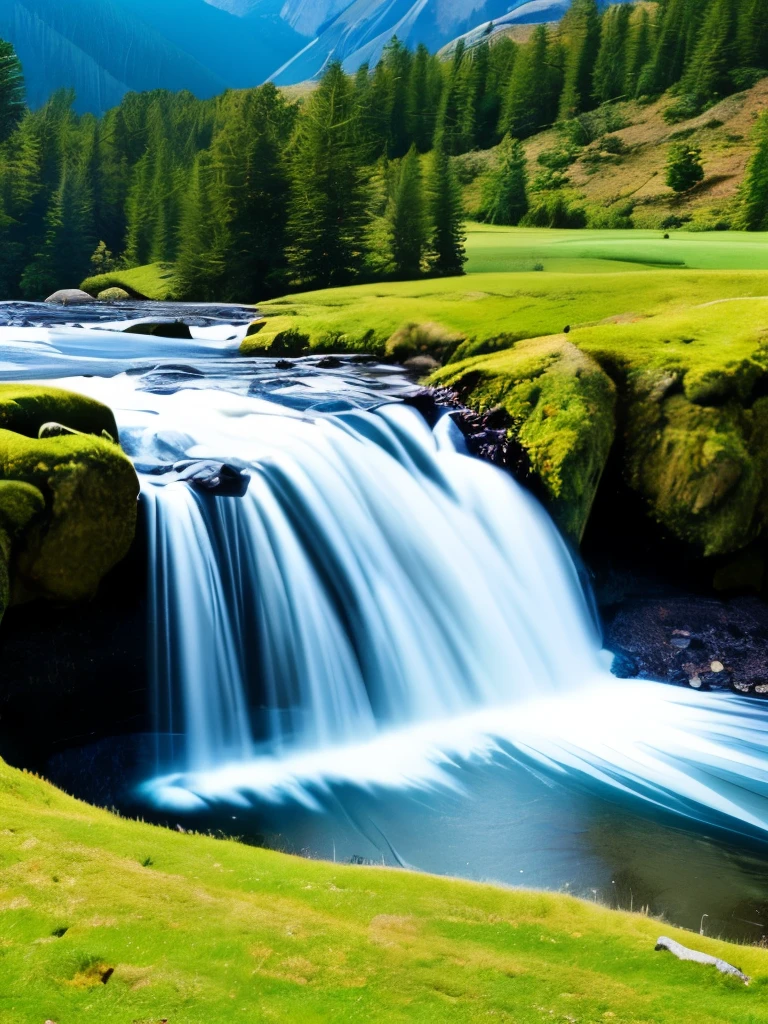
{"type": "Point", "coordinates": [69, 297]}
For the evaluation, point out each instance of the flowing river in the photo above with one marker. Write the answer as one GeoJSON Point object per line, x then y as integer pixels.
{"type": "Point", "coordinates": [368, 645]}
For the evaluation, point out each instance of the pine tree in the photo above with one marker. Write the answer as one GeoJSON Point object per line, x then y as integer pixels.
{"type": "Point", "coordinates": [448, 254]}
{"type": "Point", "coordinates": [421, 110]}
{"type": "Point", "coordinates": [529, 105]}
{"type": "Point", "coordinates": [455, 121]}
{"type": "Point", "coordinates": [755, 187]}
{"type": "Point", "coordinates": [707, 76]}
{"type": "Point", "coordinates": [11, 90]}
{"type": "Point", "coordinates": [678, 30]}
{"type": "Point", "coordinates": [397, 60]}
{"type": "Point", "coordinates": [684, 167]}
{"type": "Point", "coordinates": [610, 72]}
{"type": "Point", "coordinates": [407, 218]}
{"type": "Point", "coordinates": [500, 66]}
{"type": "Point", "coordinates": [505, 197]}
{"type": "Point", "coordinates": [581, 30]}
{"type": "Point", "coordinates": [199, 263]}
{"type": "Point", "coordinates": [327, 217]}
{"type": "Point", "coordinates": [753, 35]}
{"type": "Point", "coordinates": [639, 51]}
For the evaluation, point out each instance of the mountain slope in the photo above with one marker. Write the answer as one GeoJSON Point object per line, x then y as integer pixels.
{"type": "Point", "coordinates": [103, 48]}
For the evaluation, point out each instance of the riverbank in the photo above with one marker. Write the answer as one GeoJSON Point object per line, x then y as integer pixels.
{"type": "Point", "coordinates": [111, 920]}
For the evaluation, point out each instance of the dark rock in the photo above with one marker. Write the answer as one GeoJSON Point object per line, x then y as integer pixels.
{"type": "Point", "coordinates": [284, 364]}
{"type": "Point", "coordinates": [624, 665]}
{"type": "Point", "coordinates": [213, 476]}
{"type": "Point", "coordinates": [678, 639]}
{"type": "Point", "coordinates": [330, 363]}
{"type": "Point", "coordinates": [421, 365]}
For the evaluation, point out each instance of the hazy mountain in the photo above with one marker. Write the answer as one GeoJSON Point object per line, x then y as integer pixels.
{"type": "Point", "coordinates": [103, 48]}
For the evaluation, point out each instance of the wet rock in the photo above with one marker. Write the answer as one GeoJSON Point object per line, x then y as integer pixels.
{"type": "Point", "coordinates": [213, 476]}
{"type": "Point", "coordinates": [422, 365]}
{"type": "Point", "coordinates": [113, 295]}
{"type": "Point", "coordinates": [701, 642]}
{"type": "Point", "coordinates": [69, 297]}
{"type": "Point", "coordinates": [330, 363]}
{"type": "Point", "coordinates": [284, 364]}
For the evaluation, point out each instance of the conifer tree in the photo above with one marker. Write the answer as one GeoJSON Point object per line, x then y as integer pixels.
{"type": "Point", "coordinates": [610, 71]}
{"type": "Point", "coordinates": [528, 106]}
{"type": "Point", "coordinates": [447, 252]}
{"type": "Point", "coordinates": [199, 263]}
{"type": "Point", "coordinates": [581, 30]}
{"type": "Point", "coordinates": [755, 187]}
{"type": "Point", "coordinates": [678, 30]}
{"type": "Point", "coordinates": [407, 218]}
{"type": "Point", "coordinates": [455, 121]}
{"type": "Point", "coordinates": [327, 204]}
{"type": "Point", "coordinates": [500, 65]}
{"type": "Point", "coordinates": [684, 167]}
{"type": "Point", "coordinates": [423, 99]}
{"type": "Point", "coordinates": [505, 197]}
{"type": "Point", "coordinates": [639, 51]}
{"type": "Point", "coordinates": [753, 34]}
{"type": "Point", "coordinates": [707, 76]}
{"type": "Point", "coordinates": [11, 90]}
{"type": "Point", "coordinates": [397, 60]}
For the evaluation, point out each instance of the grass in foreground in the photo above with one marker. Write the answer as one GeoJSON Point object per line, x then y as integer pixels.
{"type": "Point", "coordinates": [198, 930]}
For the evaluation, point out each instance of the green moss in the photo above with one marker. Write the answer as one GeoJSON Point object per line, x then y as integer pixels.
{"type": "Point", "coordinates": [113, 295]}
{"type": "Point", "coordinates": [154, 281]}
{"type": "Point", "coordinates": [562, 409]}
{"type": "Point", "coordinates": [90, 490]}
{"type": "Point", "coordinates": [24, 408]}
{"type": "Point", "coordinates": [20, 503]}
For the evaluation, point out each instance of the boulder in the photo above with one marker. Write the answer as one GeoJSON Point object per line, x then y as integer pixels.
{"type": "Point", "coordinates": [70, 297]}
{"type": "Point", "coordinates": [561, 406]}
{"type": "Point", "coordinates": [68, 499]}
{"type": "Point", "coordinates": [113, 295]}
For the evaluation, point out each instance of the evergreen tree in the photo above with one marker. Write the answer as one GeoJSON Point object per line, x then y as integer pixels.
{"type": "Point", "coordinates": [684, 167]}
{"type": "Point", "coordinates": [423, 98]}
{"type": "Point", "coordinates": [200, 261]}
{"type": "Point", "coordinates": [500, 65]}
{"type": "Point", "coordinates": [610, 72]}
{"type": "Point", "coordinates": [455, 121]}
{"type": "Point", "coordinates": [755, 187]}
{"type": "Point", "coordinates": [753, 34]}
{"type": "Point", "coordinates": [327, 203]}
{"type": "Point", "coordinates": [529, 106]}
{"type": "Point", "coordinates": [11, 90]}
{"type": "Point", "coordinates": [707, 76]}
{"type": "Point", "coordinates": [448, 255]}
{"type": "Point", "coordinates": [581, 30]}
{"type": "Point", "coordinates": [407, 218]}
{"type": "Point", "coordinates": [639, 51]}
{"type": "Point", "coordinates": [505, 197]}
{"type": "Point", "coordinates": [678, 30]}
{"type": "Point", "coordinates": [397, 60]}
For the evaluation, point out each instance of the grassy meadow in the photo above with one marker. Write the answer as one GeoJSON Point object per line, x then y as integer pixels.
{"type": "Point", "coordinates": [108, 920]}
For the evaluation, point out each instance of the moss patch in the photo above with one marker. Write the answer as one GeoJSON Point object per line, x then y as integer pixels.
{"type": "Point", "coordinates": [67, 503]}
{"type": "Point", "coordinates": [154, 281]}
{"type": "Point", "coordinates": [562, 408]}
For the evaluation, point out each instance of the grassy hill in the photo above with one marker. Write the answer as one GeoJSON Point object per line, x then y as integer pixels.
{"type": "Point", "coordinates": [603, 181]}
{"type": "Point", "coordinates": [111, 920]}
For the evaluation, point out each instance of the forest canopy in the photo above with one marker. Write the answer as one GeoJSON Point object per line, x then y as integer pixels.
{"type": "Point", "coordinates": [250, 194]}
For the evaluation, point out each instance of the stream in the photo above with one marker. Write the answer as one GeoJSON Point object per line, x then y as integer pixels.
{"type": "Point", "coordinates": [368, 646]}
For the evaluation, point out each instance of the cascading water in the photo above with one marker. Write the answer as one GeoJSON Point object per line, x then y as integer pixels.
{"type": "Point", "coordinates": [377, 604]}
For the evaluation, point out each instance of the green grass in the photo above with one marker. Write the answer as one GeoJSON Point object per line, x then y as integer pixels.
{"type": "Point", "coordinates": [200, 930]}
{"type": "Point", "coordinates": [493, 310]}
{"type": "Point", "coordinates": [154, 281]}
{"type": "Point", "coordinates": [491, 248]}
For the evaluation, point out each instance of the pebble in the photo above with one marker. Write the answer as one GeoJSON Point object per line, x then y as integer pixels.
{"type": "Point", "coordinates": [695, 682]}
{"type": "Point", "coordinates": [716, 666]}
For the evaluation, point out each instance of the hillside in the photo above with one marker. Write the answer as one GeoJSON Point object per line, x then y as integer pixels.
{"type": "Point", "coordinates": [110, 920]}
{"type": "Point", "coordinates": [632, 175]}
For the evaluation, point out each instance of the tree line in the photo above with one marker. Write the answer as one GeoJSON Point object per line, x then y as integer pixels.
{"type": "Point", "coordinates": [252, 193]}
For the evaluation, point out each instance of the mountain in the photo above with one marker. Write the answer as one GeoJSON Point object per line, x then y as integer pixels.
{"type": "Point", "coordinates": [104, 48]}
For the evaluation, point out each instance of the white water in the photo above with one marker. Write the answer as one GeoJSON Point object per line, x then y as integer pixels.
{"type": "Point", "coordinates": [380, 604]}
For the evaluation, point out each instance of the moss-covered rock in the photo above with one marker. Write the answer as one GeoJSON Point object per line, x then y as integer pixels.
{"type": "Point", "coordinates": [561, 404]}
{"type": "Point", "coordinates": [24, 408]}
{"type": "Point", "coordinates": [113, 295]}
{"type": "Point", "coordinates": [68, 502]}
{"type": "Point", "coordinates": [20, 503]}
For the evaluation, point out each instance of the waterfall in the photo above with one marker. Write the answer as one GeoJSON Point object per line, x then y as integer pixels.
{"type": "Point", "coordinates": [377, 606]}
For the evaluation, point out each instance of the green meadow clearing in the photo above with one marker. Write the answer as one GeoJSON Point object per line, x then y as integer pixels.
{"type": "Point", "coordinates": [108, 920]}
{"type": "Point", "coordinates": [491, 248]}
